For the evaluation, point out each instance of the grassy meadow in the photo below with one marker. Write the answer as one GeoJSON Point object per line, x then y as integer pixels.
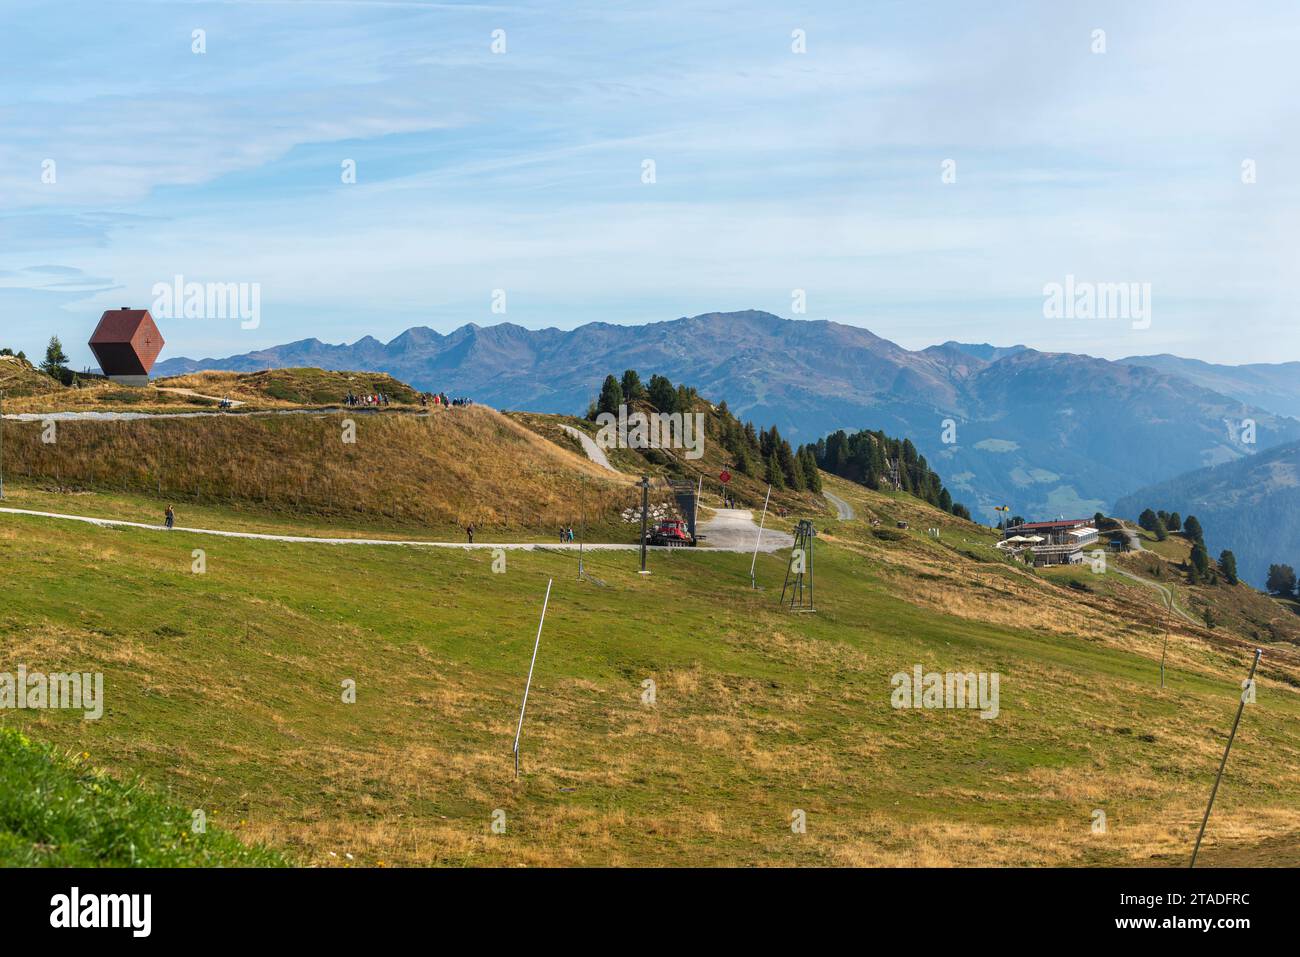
{"type": "Point", "coordinates": [57, 810]}
{"type": "Point", "coordinates": [225, 691]}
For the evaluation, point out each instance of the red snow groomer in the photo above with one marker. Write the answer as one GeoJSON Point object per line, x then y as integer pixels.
{"type": "Point", "coordinates": [672, 533]}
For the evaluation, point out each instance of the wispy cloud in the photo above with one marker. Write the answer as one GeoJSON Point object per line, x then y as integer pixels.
{"type": "Point", "coordinates": [773, 170]}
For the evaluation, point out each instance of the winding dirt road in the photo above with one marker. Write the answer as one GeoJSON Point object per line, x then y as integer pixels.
{"type": "Point", "coordinates": [732, 536]}
{"type": "Point", "coordinates": [844, 511]}
{"type": "Point", "coordinates": [594, 451]}
{"type": "Point", "coordinates": [1165, 592]}
{"type": "Point", "coordinates": [234, 403]}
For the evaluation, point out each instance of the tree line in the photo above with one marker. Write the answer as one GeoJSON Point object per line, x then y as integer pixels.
{"type": "Point", "coordinates": [1162, 524]}
{"type": "Point", "coordinates": [759, 453]}
{"type": "Point", "coordinates": [1282, 581]}
{"type": "Point", "coordinates": [869, 458]}
{"type": "Point", "coordinates": [874, 459]}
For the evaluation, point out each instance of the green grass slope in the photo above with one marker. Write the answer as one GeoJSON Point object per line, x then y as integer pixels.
{"type": "Point", "coordinates": [226, 689]}
{"type": "Point", "coordinates": [57, 811]}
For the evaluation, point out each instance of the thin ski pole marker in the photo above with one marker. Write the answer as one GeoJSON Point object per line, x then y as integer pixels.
{"type": "Point", "coordinates": [1169, 610]}
{"type": "Point", "coordinates": [536, 644]}
{"type": "Point", "coordinates": [753, 582]}
{"type": "Point", "coordinates": [1249, 687]}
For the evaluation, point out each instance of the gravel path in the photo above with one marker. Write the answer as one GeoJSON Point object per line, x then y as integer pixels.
{"type": "Point", "coordinates": [1134, 539]}
{"type": "Point", "coordinates": [97, 416]}
{"type": "Point", "coordinates": [726, 542]}
{"type": "Point", "coordinates": [1166, 593]}
{"type": "Point", "coordinates": [843, 509]}
{"type": "Point", "coordinates": [594, 451]}
{"type": "Point", "coordinates": [234, 403]}
{"type": "Point", "coordinates": [1135, 545]}
{"type": "Point", "coordinates": [735, 530]}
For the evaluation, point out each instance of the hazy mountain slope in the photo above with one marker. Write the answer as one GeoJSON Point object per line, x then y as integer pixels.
{"type": "Point", "coordinates": [1275, 387]}
{"type": "Point", "coordinates": [1251, 506]}
{"type": "Point", "coordinates": [982, 350]}
{"type": "Point", "coordinates": [556, 371]}
{"type": "Point", "coordinates": [1044, 433]}
{"type": "Point", "coordinates": [1064, 434]}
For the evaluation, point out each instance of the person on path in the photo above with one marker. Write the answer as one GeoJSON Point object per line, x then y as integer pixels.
{"type": "Point", "coordinates": [469, 530]}
{"type": "Point", "coordinates": [170, 519]}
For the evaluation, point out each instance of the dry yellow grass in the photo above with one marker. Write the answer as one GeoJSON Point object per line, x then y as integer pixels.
{"type": "Point", "coordinates": [449, 467]}
{"type": "Point", "coordinates": [29, 390]}
{"type": "Point", "coordinates": [759, 712]}
{"type": "Point", "coordinates": [19, 379]}
{"type": "Point", "coordinates": [1127, 615]}
{"type": "Point", "coordinates": [282, 388]}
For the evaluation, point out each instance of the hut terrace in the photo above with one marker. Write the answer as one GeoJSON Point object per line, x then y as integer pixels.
{"type": "Point", "coordinates": [1052, 543]}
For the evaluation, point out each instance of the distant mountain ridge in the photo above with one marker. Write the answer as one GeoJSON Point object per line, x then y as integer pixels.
{"type": "Point", "coordinates": [982, 350]}
{"type": "Point", "coordinates": [1251, 506]}
{"type": "Point", "coordinates": [1043, 432]}
{"type": "Point", "coordinates": [1272, 386]}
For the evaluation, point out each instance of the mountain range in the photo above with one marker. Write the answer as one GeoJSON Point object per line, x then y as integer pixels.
{"type": "Point", "coordinates": [1251, 506]}
{"type": "Point", "coordinates": [1045, 433]}
{"type": "Point", "coordinates": [1274, 386]}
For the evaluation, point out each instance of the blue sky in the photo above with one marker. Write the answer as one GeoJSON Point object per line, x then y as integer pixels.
{"type": "Point", "coordinates": [774, 170]}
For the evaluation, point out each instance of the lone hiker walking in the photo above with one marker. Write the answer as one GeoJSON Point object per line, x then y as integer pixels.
{"type": "Point", "coordinates": [469, 530]}
{"type": "Point", "coordinates": [170, 519]}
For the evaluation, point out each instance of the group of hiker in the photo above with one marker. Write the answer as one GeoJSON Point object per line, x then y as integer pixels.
{"type": "Point", "coordinates": [440, 398]}
{"type": "Point", "coordinates": [370, 398]}
{"type": "Point", "coordinates": [426, 399]}
{"type": "Point", "coordinates": [566, 534]}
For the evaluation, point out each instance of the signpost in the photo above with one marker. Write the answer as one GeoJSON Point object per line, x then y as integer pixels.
{"type": "Point", "coordinates": [645, 514]}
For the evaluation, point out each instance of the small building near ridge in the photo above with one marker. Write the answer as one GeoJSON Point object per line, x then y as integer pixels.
{"type": "Point", "coordinates": [127, 343]}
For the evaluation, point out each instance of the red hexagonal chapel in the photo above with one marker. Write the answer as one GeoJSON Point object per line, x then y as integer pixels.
{"type": "Point", "coordinates": [126, 343]}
